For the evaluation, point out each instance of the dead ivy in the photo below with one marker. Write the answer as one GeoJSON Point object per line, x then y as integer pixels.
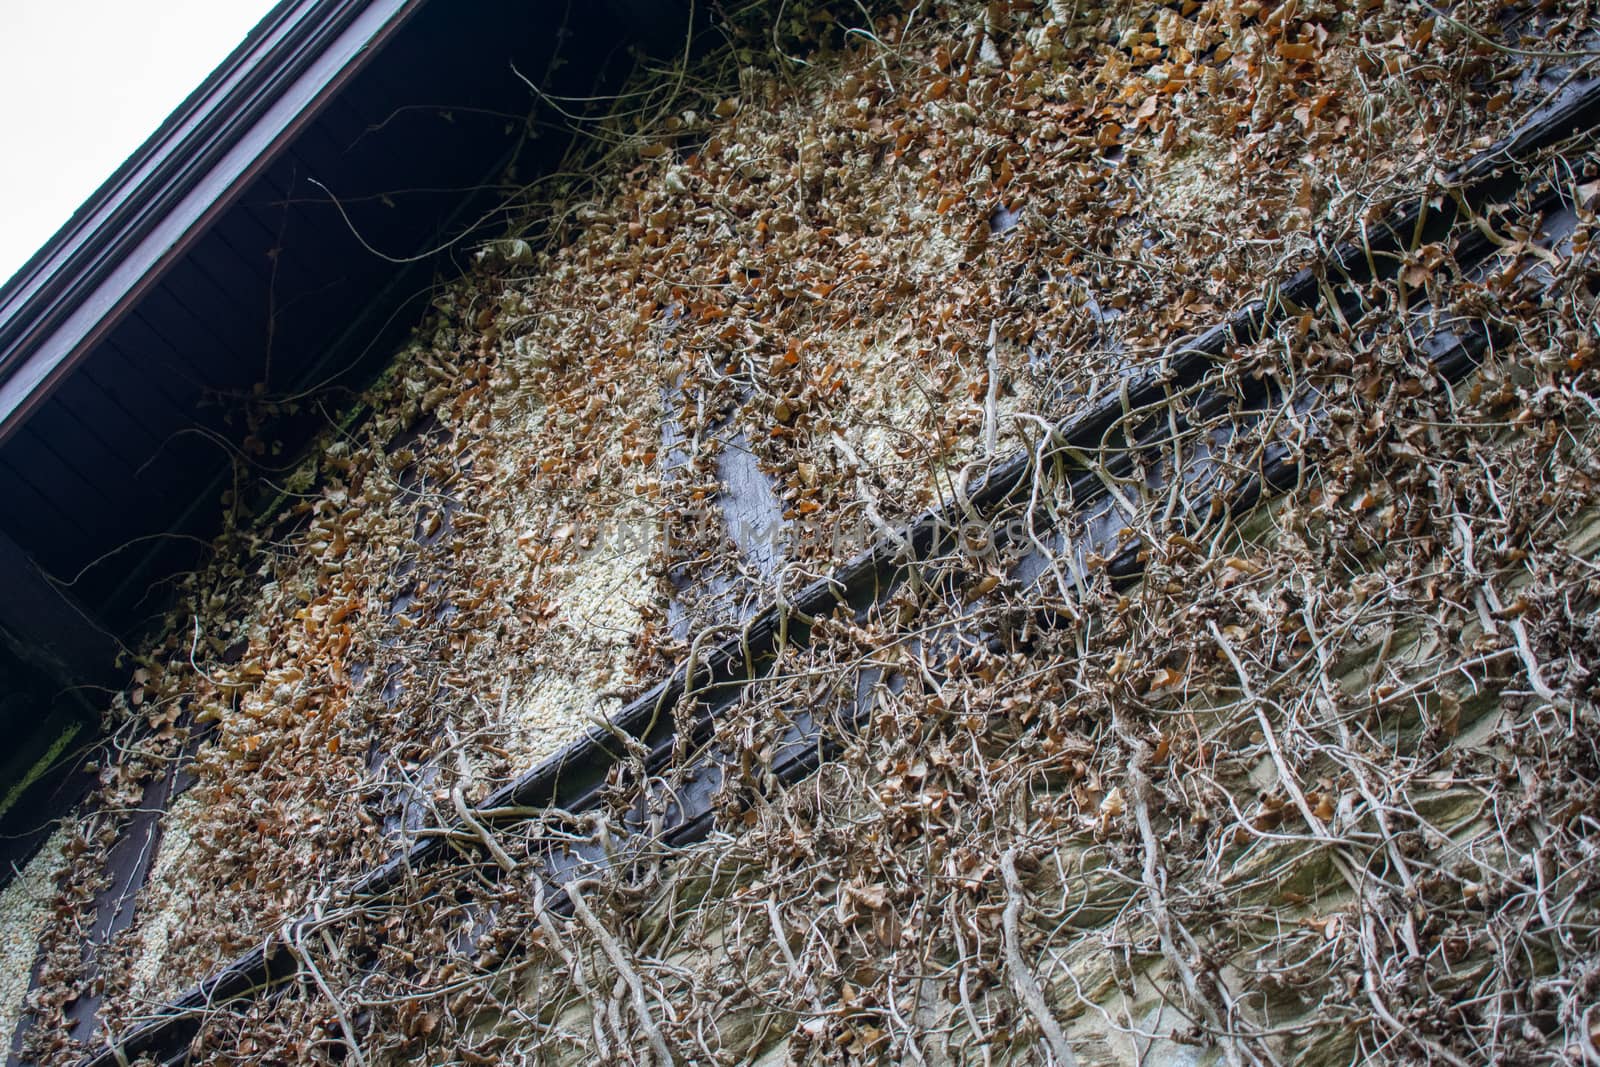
{"type": "Point", "coordinates": [876, 248]}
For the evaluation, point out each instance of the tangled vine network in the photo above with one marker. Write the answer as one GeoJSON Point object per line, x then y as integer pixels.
{"type": "Point", "coordinates": [1260, 729]}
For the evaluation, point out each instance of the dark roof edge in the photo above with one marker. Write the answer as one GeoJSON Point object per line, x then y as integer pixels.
{"type": "Point", "coordinates": [69, 294]}
{"type": "Point", "coordinates": [107, 189]}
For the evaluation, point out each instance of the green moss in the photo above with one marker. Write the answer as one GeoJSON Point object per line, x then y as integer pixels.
{"type": "Point", "coordinates": [41, 765]}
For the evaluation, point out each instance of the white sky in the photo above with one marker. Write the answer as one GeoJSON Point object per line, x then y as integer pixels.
{"type": "Point", "coordinates": [82, 84]}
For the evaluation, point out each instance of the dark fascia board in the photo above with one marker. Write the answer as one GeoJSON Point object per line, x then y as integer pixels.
{"type": "Point", "coordinates": [146, 216]}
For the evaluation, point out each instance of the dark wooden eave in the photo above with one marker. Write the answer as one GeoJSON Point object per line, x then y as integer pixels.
{"type": "Point", "coordinates": [75, 289]}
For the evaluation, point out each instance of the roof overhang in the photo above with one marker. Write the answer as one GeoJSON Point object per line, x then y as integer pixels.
{"type": "Point", "coordinates": [74, 290]}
